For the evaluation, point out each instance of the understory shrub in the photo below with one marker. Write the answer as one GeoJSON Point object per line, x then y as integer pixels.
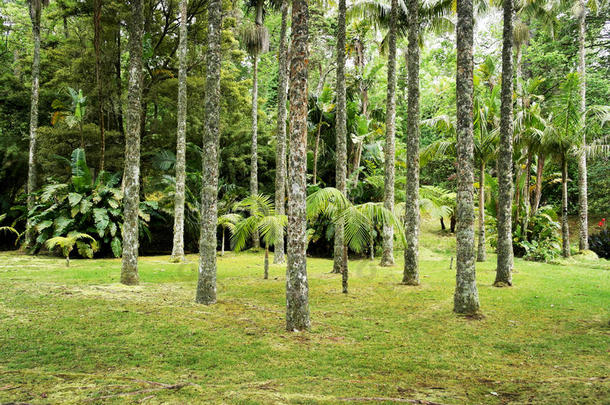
{"type": "Point", "coordinates": [600, 242]}
{"type": "Point", "coordinates": [85, 206]}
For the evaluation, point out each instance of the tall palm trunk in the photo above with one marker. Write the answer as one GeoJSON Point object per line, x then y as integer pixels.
{"type": "Point", "coordinates": [206, 283]}
{"type": "Point", "coordinates": [178, 246]}
{"type": "Point", "coordinates": [131, 176]}
{"type": "Point", "coordinates": [565, 228]}
{"type": "Point", "coordinates": [266, 276]}
{"type": "Point", "coordinates": [387, 257]}
{"type": "Point", "coordinates": [297, 289]}
{"type": "Point", "coordinates": [538, 187]}
{"type": "Point", "coordinates": [341, 134]}
{"type": "Point", "coordinates": [97, 33]}
{"type": "Point", "coordinates": [505, 155]}
{"type": "Point", "coordinates": [280, 152]}
{"type": "Point", "coordinates": [254, 150]}
{"type": "Point", "coordinates": [411, 269]}
{"type": "Point", "coordinates": [481, 254]}
{"type": "Point", "coordinates": [35, 14]}
{"type": "Point", "coordinates": [466, 298]}
{"type": "Point", "coordinates": [526, 190]}
{"type": "Point", "coordinates": [583, 236]}
{"type": "Point", "coordinates": [316, 149]}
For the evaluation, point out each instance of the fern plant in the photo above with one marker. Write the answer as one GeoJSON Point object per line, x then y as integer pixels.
{"type": "Point", "coordinates": [85, 243]}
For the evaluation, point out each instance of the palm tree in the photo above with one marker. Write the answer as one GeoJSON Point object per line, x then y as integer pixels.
{"type": "Point", "coordinates": [280, 152]}
{"type": "Point", "coordinates": [466, 298]}
{"type": "Point", "coordinates": [227, 221]}
{"type": "Point", "coordinates": [263, 220]}
{"type": "Point", "coordinates": [505, 153]}
{"type": "Point", "coordinates": [256, 40]}
{"type": "Point", "coordinates": [66, 243]}
{"type": "Point", "coordinates": [358, 221]}
{"type": "Point", "coordinates": [564, 137]}
{"type": "Point", "coordinates": [97, 37]}
{"type": "Point", "coordinates": [35, 14]}
{"type": "Point", "coordinates": [297, 288]}
{"type": "Point", "coordinates": [206, 283]}
{"type": "Point", "coordinates": [178, 246]}
{"type": "Point", "coordinates": [131, 175]}
{"type": "Point", "coordinates": [340, 254]}
{"type": "Point", "coordinates": [387, 258]}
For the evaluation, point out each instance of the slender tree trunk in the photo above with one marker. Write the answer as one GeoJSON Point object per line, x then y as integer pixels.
{"type": "Point", "coordinates": [97, 33]}
{"type": "Point", "coordinates": [297, 289]}
{"type": "Point", "coordinates": [119, 82]}
{"type": "Point", "coordinates": [222, 248]}
{"type": "Point", "coordinates": [466, 298]}
{"type": "Point", "coordinates": [443, 224]}
{"type": "Point", "coordinates": [411, 269]}
{"type": "Point", "coordinates": [254, 151]}
{"type": "Point", "coordinates": [35, 14]}
{"type": "Point", "coordinates": [316, 150]}
{"type": "Point", "coordinates": [481, 254]}
{"type": "Point", "coordinates": [206, 283]}
{"type": "Point", "coordinates": [266, 262]}
{"type": "Point", "coordinates": [526, 190]}
{"type": "Point", "coordinates": [280, 153]}
{"type": "Point", "coordinates": [505, 162]}
{"type": "Point", "coordinates": [178, 246]}
{"type": "Point", "coordinates": [538, 192]}
{"type": "Point", "coordinates": [341, 133]}
{"type": "Point", "coordinates": [129, 271]}
{"type": "Point", "coordinates": [344, 270]}
{"type": "Point", "coordinates": [387, 257]}
{"type": "Point", "coordinates": [565, 227]}
{"type": "Point", "coordinates": [583, 204]}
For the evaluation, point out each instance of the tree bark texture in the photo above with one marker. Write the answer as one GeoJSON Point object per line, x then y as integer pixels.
{"type": "Point", "coordinates": [206, 283]}
{"type": "Point", "coordinates": [254, 150]}
{"type": "Point", "coordinates": [178, 245]}
{"type": "Point", "coordinates": [505, 156]}
{"type": "Point", "coordinates": [297, 289]}
{"type": "Point", "coordinates": [481, 254]}
{"type": "Point", "coordinates": [583, 204]}
{"type": "Point", "coordinates": [97, 33]}
{"type": "Point", "coordinates": [35, 14]}
{"type": "Point", "coordinates": [565, 228]}
{"type": "Point", "coordinates": [129, 270]}
{"type": "Point", "coordinates": [387, 256]}
{"type": "Point", "coordinates": [341, 133]}
{"type": "Point", "coordinates": [280, 152]}
{"type": "Point", "coordinates": [411, 269]}
{"type": "Point", "coordinates": [466, 297]}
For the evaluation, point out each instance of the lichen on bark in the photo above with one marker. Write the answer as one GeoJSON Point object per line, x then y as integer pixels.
{"type": "Point", "coordinates": [206, 283]}
{"type": "Point", "coordinates": [297, 288]}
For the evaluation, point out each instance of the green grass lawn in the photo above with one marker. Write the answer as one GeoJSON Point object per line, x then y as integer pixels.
{"type": "Point", "coordinates": [77, 336]}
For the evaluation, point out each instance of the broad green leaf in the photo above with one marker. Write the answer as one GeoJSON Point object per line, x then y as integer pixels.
{"type": "Point", "coordinates": [117, 248]}
{"type": "Point", "coordinates": [100, 216]}
{"type": "Point", "coordinates": [74, 198]}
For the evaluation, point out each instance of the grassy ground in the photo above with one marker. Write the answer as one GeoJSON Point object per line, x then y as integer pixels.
{"type": "Point", "coordinates": [77, 336]}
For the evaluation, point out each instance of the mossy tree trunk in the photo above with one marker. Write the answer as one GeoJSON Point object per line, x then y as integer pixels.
{"type": "Point", "coordinates": [131, 177]}
{"type": "Point", "coordinates": [280, 153]}
{"type": "Point", "coordinates": [481, 254]}
{"type": "Point", "coordinates": [178, 246]}
{"type": "Point", "coordinates": [411, 268]}
{"type": "Point", "coordinates": [565, 227]}
{"type": "Point", "coordinates": [466, 297]}
{"type": "Point", "coordinates": [387, 256]}
{"type": "Point", "coordinates": [505, 156]}
{"type": "Point", "coordinates": [254, 148]}
{"type": "Point", "coordinates": [297, 289]}
{"type": "Point", "coordinates": [206, 283]}
{"type": "Point", "coordinates": [97, 33]}
{"type": "Point", "coordinates": [341, 135]}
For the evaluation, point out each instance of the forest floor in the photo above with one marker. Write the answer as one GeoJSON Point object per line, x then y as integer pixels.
{"type": "Point", "coordinates": [75, 335]}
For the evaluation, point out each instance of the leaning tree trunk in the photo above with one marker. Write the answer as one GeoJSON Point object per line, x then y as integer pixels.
{"type": "Point", "coordinates": [280, 152]}
{"type": "Point", "coordinates": [481, 254]}
{"type": "Point", "coordinates": [254, 150]}
{"type": "Point", "coordinates": [178, 247]}
{"type": "Point", "coordinates": [341, 135]}
{"type": "Point", "coordinates": [387, 257]}
{"type": "Point", "coordinates": [297, 289]}
{"type": "Point", "coordinates": [35, 12]}
{"type": "Point", "coordinates": [583, 238]}
{"type": "Point", "coordinates": [206, 283]}
{"type": "Point", "coordinates": [411, 269]}
{"type": "Point", "coordinates": [565, 227]}
{"type": "Point", "coordinates": [466, 298]}
{"type": "Point", "coordinates": [97, 33]}
{"type": "Point", "coordinates": [131, 177]}
{"type": "Point", "coordinates": [505, 157]}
